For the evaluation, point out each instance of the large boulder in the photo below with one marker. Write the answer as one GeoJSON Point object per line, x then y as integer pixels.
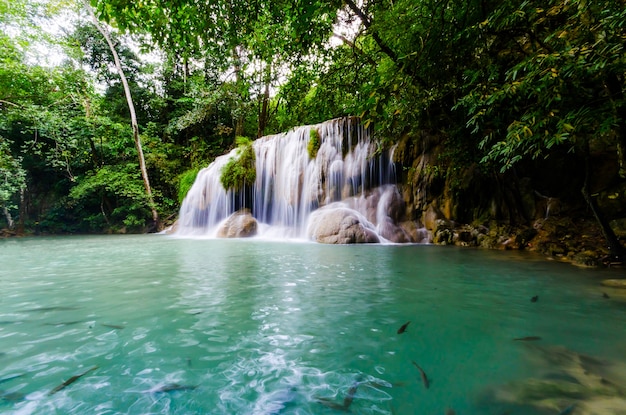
{"type": "Point", "coordinates": [240, 224]}
{"type": "Point", "coordinates": [340, 225]}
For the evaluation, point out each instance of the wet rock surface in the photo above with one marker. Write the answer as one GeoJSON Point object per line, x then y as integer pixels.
{"type": "Point", "coordinates": [240, 224]}
{"type": "Point", "coordinates": [340, 225]}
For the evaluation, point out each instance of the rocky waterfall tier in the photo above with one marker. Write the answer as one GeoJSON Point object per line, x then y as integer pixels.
{"type": "Point", "coordinates": [327, 182]}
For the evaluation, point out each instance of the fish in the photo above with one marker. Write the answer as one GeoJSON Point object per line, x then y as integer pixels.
{"type": "Point", "coordinates": [347, 401]}
{"type": "Point", "coordinates": [8, 378]}
{"type": "Point", "coordinates": [329, 403]}
{"type": "Point", "coordinates": [527, 338]}
{"type": "Point", "coordinates": [423, 375]}
{"type": "Point", "coordinates": [71, 380]}
{"type": "Point", "coordinates": [64, 323]}
{"type": "Point", "coordinates": [450, 411]}
{"type": "Point", "coordinates": [605, 295]}
{"type": "Point", "coordinates": [171, 387]}
{"type": "Point", "coordinates": [534, 299]}
{"type": "Point", "coordinates": [11, 396]}
{"type": "Point", "coordinates": [402, 328]}
{"type": "Point", "coordinates": [55, 308]}
{"type": "Point", "coordinates": [113, 326]}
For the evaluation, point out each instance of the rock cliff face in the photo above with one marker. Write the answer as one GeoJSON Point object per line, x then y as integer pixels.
{"type": "Point", "coordinates": [537, 206]}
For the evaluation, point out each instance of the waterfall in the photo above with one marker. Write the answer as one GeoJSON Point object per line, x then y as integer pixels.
{"type": "Point", "coordinates": [346, 172]}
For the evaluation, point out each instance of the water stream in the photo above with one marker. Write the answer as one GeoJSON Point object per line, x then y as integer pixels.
{"type": "Point", "coordinates": [207, 326]}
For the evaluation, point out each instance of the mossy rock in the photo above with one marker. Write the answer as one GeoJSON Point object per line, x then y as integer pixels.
{"type": "Point", "coordinates": [314, 143]}
{"type": "Point", "coordinates": [240, 170]}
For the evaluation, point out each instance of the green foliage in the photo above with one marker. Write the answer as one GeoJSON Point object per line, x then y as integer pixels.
{"type": "Point", "coordinates": [314, 143]}
{"type": "Point", "coordinates": [111, 197]}
{"type": "Point", "coordinates": [545, 78]}
{"type": "Point", "coordinates": [12, 176]}
{"type": "Point", "coordinates": [240, 170]}
{"type": "Point", "coordinates": [185, 182]}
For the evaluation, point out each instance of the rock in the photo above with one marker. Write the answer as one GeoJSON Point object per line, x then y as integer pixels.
{"type": "Point", "coordinates": [586, 259]}
{"type": "Point", "coordinates": [240, 224]}
{"type": "Point", "coordinates": [433, 218]}
{"type": "Point", "coordinates": [340, 225]}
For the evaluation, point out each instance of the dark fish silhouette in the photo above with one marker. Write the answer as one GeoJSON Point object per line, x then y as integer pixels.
{"type": "Point", "coordinates": [450, 411]}
{"type": "Point", "coordinates": [64, 323]}
{"type": "Point", "coordinates": [113, 326]}
{"type": "Point", "coordinates": [528, 338]}
{"type": "Point", "coordinates": [534, 299]}
{"type": "Point", "coordinates": [172, 387]}
{"type": "Point", "coordinates": [347, 401]}
{"type": "Point", "coordinates": [8, 378]}
{"type": "Point", "coordinates": [423, 375]}
{"type": "Point", "coordinates": [55, 308]}
{"type": "Point", "coordinates": [11, 396]}
{"type": "Point", "coordinates": [402, 328]}
{"type": "Point", "coordinates": [605, 295]}
{"type": "Point", "coordinates": [329, 403]}
{"type": "Point", "coordinates": [71, 380]}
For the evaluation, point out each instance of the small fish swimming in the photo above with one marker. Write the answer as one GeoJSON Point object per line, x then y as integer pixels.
{"type": "Point", "coordinates": [65, 323]}
{"type": "Point", "coordinates": [347, 401]}
{"type": "Point", "coordinates": [527, 338]}
{"type": "Point", "coordinates": [55, 308]}
{"type": "Point", "coordinates": [71, 380]}
{"type": "Point", "coordinates": [171, 387]}
{"type": "Point", "coordinates": [329, 403]}
{"type": "Point", "coordinates": [423, 375]}
{"type": "Point", "coordinates": [9, 378]}
{"type": "Point", "coordinates": [402, 328]}
{"type": "Point", "coordinates": [534, 299]}
{"type": "Point", "coordinates": [605, 295]}
{"type": "Point", "coordinates": [113, 326]}
{"type": "Point", "coordinates": [450, 411]}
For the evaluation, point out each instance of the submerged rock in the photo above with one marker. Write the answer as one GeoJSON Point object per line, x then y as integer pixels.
{"type": "Point", "coordinates": [240, 224]}
{"type": "Point", "coordinates": [340, 225]}
{"type": "Point", "coordinates": [591, 385]}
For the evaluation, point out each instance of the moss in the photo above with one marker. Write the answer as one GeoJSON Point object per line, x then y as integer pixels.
{"type": "Point", "coordinates": [185, 181]}
{"type": "Point", "coordinates": [240, 170]}
{"type": "Point", "coordinates": [314, 143]}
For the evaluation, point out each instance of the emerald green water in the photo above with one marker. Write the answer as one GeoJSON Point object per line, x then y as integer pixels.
{"type": "Point", "coordinates": [258, 327]}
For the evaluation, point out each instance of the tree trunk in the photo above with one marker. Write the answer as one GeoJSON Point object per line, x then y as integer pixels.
{"type": "Point", "coordinates": [263, 115]}
{"type": "Point", "coordinates": [617, 253]}
{"type": "Point", "coordinates": [238, 80]}
{"type": "Point", "coordinates": [133, 116]}
{"type": "Point", "coordinates": [9, 218]}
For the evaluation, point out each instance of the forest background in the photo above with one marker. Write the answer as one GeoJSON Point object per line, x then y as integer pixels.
{"type": "Point", "coordinates": [501, 82]}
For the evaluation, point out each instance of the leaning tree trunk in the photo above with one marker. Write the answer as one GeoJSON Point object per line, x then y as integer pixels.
{"type": "Point", "coordinates": [617, 253]}
{"type": "Point", "coordinates": [133, 116]}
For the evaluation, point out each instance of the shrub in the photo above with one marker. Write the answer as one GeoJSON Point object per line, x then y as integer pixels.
{"type": "Point", "coordinates": [185, 181]}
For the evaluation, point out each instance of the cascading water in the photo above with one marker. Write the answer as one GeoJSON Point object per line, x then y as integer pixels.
{"type": "Point", "coordinates": [346, 173]}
